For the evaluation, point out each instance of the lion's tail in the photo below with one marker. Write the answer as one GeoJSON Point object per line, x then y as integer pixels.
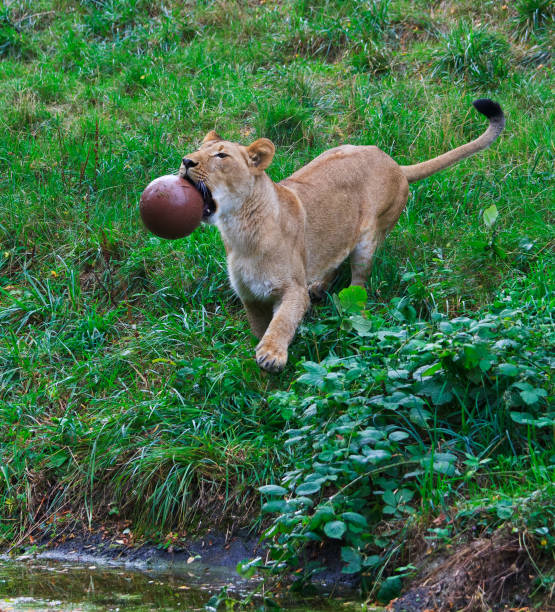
{"type": "Point", "coordinates": [493, 112]}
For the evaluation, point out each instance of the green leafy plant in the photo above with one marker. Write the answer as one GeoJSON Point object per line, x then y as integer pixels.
{"type": "Point", "coordinates": [364, 447]}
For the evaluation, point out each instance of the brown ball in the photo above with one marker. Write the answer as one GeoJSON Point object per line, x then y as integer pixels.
{"type": "Point", "coordinates": [171, 207]}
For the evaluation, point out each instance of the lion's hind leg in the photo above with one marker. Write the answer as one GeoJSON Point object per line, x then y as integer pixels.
{"type": "Point", "coordinates": [317, 289]}
{"type": "Point", "coordinates": [362, 256]}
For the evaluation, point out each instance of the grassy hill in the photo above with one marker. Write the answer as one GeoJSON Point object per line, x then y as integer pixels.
{"type": "Point", "coordinates": [128, 388]}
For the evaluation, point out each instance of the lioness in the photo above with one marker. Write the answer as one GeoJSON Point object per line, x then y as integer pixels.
{"type": "Point", "coordinates": [285, 240]}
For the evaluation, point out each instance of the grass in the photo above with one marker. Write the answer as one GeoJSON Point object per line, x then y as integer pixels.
{"type": "Point", "coordinates": [474, 53]}
{"type": "Point", "coordinates": [128, 388]}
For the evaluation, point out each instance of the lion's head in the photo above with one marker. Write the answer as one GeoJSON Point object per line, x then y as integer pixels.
{"type": "Point", "coordinates": [225, 172]}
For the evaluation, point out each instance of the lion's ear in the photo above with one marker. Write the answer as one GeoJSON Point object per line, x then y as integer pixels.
{"type": "Point", "coordinates": [261, 153]}
{"type": "Point", "coordinates": [212, 135]}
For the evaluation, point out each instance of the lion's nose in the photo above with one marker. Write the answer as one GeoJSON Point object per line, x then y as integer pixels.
{"type": "Point", "coordinates": [189, 163]}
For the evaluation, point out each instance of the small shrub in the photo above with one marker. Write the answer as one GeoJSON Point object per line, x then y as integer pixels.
{"type": "Point", "coordinates": [473, 53]}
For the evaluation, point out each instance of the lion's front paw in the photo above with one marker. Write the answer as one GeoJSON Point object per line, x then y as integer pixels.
{"type": "Point", "coordinates": [271, 356]}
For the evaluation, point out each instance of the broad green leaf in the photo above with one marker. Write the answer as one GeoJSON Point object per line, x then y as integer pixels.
{"type": "Point", "coordinates": [504, 510]}
{"type": "Point", "coordinates": [390, 498]}
{"type": "Point", "coordinates": [376, 455]}
{"type": "Point", "coordinates": [404, 495]}
{"type": "Point", "coordinates": [275, 506]}
{"type": "Point", "coordinates": [355, 517]}
{"type": "Point", "coordinates": [490, 215]}
{"type": "Point", "coordinates": [308, 488]}
{"type": "Point", "coordinates": [352, 558]}
{"type": "Point", "coordinates": [525, 418]}
{"type": "Point", "coordinates": [432, 369]}
{"type": "Point", "coordinates": [370, 436]}
{"type": "Point", "coordinates": [394, 374]}
{"type": "Point", "coordinates": [272, 490]}
{"type": "Point", "coordinates": [391, 587]}
{"type": "Point", "coordinates": [323, 514]}
{"type": "Point", "coordinates": [353, 299]}
{"type": "Point", "coordinates": [335, 529]}
{"type": "Point", "coordinates": [522, 418]}
{"type": "Point", "coordinates": [437, 390]}
{"type": "Point", "coordinates": [311, 535]}
{"type": "Point", "coordinates": [247, 569]}
{"type": "Point", "coordinates": [533, 396]}
{"type": "Point", "coordinates": [315, 374]}
{"type": "Point", "coordinates": [473, 354]}
{"type": "Point", "coordinates": [420, 416]}
{"type": "Point", "coordinates": [508, 369]}
{"type": "Point", "coordinates": [300, 502]}
{"type": "Point", "coordinates": [441, 463]}
{"type": "Point", "coordinates": [372, 561]}
{"type": "Point", "coordinates": [442, 466]}
{"type": "Point", "coordinates": [361, 325]}
{"type": "Point", "coordinates": [397, 436]}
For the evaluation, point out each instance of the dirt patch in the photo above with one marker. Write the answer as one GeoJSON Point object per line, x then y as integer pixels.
{"type": "Point", "coordinates": [494, 573]}
{"type": "Point", "coordinates": [213, 549]}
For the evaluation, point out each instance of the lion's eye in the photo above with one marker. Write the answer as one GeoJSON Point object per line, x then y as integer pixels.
{"type": "Point", "coordinates": [221, 155]}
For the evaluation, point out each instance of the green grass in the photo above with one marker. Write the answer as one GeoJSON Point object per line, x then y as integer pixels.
{"type": "Point", "coordinates": [128, 388]}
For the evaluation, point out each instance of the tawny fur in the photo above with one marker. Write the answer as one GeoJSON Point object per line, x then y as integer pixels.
{"type": "Point", "coordinates": [287, 239]}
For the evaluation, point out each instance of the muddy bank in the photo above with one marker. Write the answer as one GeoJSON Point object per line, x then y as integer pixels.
{"type": "Point", "coordinates": [213, 550]}
{"type": "Point", "coordinates": [488, 573]}
{"type": "Point", "coordinates": [485, 574]}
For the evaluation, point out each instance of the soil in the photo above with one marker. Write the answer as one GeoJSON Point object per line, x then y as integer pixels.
{"type": "Point", "coordinates": [211, 550]}
{"type": "Point", "coordinates": [493, 573]}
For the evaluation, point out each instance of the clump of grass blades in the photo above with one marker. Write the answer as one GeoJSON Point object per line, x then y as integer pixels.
{"type": "Point", "coordinates": [372, 57]}
{"type": "Point", "coordinates": [12, 40]}
{"type": "Point", "coordinates": [324, 32]}
{"type": "Point", "coordinates": [534, 16]}
{"type": "Point", "coordinates": [112, 18]}
{"type": "Point", "coordinates": [473, 53]}
{"type": "Point", "coordinates": [284, 122]}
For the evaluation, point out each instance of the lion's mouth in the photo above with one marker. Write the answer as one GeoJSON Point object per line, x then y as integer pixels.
{"type": "Point", "coordinates": [209, 204]}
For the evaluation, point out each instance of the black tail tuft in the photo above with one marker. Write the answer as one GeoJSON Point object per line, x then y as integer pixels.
{"type": "Point", "coordinates": [489, 108]}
